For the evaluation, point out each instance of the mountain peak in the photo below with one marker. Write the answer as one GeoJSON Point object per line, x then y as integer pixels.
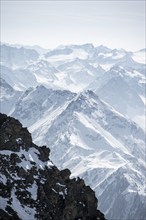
{"type": "Point", "coordinates": [102, 48]}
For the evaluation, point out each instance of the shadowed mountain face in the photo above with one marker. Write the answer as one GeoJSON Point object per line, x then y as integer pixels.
{"type": "Point", "coordinates": [32, 187]}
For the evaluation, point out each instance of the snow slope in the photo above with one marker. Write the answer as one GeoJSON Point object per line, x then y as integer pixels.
{"type": "Point", "coordinates": [18, 79]}
{"type": "Point", "coordinates": [40, 102]}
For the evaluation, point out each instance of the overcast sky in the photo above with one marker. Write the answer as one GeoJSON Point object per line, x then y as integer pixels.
{"type": "Point", "coordinates": [117, 24]}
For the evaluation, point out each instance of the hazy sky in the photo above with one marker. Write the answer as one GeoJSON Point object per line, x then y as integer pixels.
{"type": "Point", "coordinates": [117, 24]}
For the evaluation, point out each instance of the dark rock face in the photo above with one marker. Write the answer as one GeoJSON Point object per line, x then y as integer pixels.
{"type": "Point", "coordinates": [32, 187]}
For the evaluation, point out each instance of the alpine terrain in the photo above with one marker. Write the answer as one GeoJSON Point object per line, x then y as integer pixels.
{"type": "Point", "coordinates": [33, 188]}
{"type": "Point", "coordinates": [87, 104]}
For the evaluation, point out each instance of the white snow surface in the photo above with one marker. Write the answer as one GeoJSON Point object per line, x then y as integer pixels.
{"type": "Point", "coordinates": [24, 212]}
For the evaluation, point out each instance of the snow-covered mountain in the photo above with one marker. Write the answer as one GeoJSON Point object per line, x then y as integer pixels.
{"type": "Point", "coordinates": [37, 103]}
{"type": "Point", "coordinates": [19, 79]}
{"type": "Point", "coordinates": [37, 48]}
{"type": "Point", "coordinates": [71, 67]}
{"type": "Point", "coordinates": [83, 102]}
{"type": "Point", "coordinates": [140, 56]}
{"type": "Point", "coordinates": [124, 89]}
{"type": "Point", "coordinates": [15, 57]}
{"type": "Point", "coordinates": [94, 141]}
{"type": "Point", "coordinates": [70, 52]}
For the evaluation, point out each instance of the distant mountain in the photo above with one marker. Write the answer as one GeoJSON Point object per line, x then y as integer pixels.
{"type": "Point", "coordinates": [117, 93]}
{"type": "Point", "coordinates": [74, 51]}
{"type": "Point", "coordinates": [32, 187]}
{"type": "Point", "coordinates": [122, 88]}
{"type": "Point", "coordinates": [19, 79]}
{"type": "Point", "coordinates": [77, 74]}
{"type": "Point", "coordinates": [45, 73]}
{"type": "Point", "coordinates": [37, 48]}
{"type": "Point", "coordinates": [16, 57]}
{"type": "Point", "coordinates": [71, 67]}
{"type": "Point", "coordinates": [140, 56]}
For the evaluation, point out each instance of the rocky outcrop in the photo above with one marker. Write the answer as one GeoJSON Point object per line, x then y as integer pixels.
{"type": "Point", "coordinates": [32, 187]}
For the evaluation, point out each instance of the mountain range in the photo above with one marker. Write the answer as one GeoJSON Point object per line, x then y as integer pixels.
{"type": "Point", "coordinates": [87, 104]}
